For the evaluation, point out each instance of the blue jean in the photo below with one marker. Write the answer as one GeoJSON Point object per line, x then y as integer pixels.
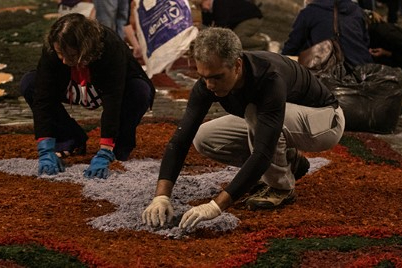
{"type": "Point", "coordinates": [113, 14]}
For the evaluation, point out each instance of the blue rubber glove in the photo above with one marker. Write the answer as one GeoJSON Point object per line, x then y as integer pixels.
{"type": "Point", "coordinates": [49, 163]}
{"type": "Point", "coordinates": [99, 166]}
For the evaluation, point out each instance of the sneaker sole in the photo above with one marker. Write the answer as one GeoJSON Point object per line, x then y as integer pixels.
{"type": "Point", "coordinates": [259, 205]}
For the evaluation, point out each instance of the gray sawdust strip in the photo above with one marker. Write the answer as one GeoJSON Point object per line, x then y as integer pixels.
{"type": "Point", "coordinates": [132, 191]}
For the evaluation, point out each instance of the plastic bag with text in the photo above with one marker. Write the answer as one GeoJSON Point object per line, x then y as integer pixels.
{"type": "Point", "coordinates": [165, 30]}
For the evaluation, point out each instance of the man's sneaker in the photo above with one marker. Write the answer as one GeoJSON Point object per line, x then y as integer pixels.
{"type": "Point", "coordinates": [269, 198]}
{"type": "Point", "coordinates": [258, 187]}
{"type": "Point", "coordinates": [299, 164]}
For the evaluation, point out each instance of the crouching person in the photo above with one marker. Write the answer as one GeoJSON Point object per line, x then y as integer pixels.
{"type": "Point", "coordinates": [276, 109]}
{"type": "Point", "coordinates": [85, 63]}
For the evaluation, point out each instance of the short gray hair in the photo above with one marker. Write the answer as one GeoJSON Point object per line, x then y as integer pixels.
{"type": "Point", "coordinates": [216, 41]}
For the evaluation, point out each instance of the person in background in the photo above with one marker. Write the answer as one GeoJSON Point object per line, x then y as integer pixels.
{"type": "Point", "coordinates": [385, 40]}
{"type": "Point", "coordinates": [113, 14]}
{"type": "Point", "coordinates": [119, 16]}
{"type": "Point", "coordinates": [276, 108]}
{"type": "Point", "coordinates": [315, 23]}
{"type": "Point", "coordinates": [129, 32]}
{"type": "Point", "coordinates": [242, 16]}
{"type": "Point", "coordinates": [392, 10]}
{"type": "Point", "coordinates": [84, 7]}
{"type": "Point", "coordinates": [87, 64]}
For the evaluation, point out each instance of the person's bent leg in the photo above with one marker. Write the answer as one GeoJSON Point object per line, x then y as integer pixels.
{"type": "Point", "coordinates": [224, 139]}
{"type": "Point", "coordinates": [137, 99]}
{"type": "Point", "coordinates": [305, 128]}
{"type": "Point", "coordinates": [68, 133]}
{"type": "Point", "coordinates": [278, 182]}
{"type": "Point", "coordinates": [312, 129]}
{"type": "Point", "coordinates": [27, 87]}
{"type": "Point", "coordinates": [279, 174]}
{"type": "Point", "coordinates": [247, 31]}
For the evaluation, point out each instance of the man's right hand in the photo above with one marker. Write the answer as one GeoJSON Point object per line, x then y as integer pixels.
{"type": "Point", "coordinates": [158, 211]}
{"type": "Point", "coordinates": [49, 163]}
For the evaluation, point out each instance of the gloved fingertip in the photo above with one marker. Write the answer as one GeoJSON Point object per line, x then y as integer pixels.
{"type": "Point", "coordinates": [99, 174]}
{"type": "Point", "coordinates": [88, 175]}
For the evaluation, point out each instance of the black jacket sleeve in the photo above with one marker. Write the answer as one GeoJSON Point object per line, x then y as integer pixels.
{"type": "Point", "coordinates": [176, 150]}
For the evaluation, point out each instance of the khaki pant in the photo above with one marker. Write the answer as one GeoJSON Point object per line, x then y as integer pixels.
{"type": "Point", "coordinates": [248, 31]}
{"type": "Point", "coordinates": [229, 139]}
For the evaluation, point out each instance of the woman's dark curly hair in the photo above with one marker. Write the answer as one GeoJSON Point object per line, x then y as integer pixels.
{"type": "Point", "coordinates": [75, 31]}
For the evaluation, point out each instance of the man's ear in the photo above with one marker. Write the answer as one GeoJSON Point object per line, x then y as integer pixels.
{"type": "Point", "coordinates": [239, 64]}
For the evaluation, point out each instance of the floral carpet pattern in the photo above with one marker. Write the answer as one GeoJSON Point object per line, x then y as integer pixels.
{"type": "Point", "coordinates": [347, 214]}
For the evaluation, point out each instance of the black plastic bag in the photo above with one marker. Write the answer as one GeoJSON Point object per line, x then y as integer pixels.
{"type": "Point", "coordinates": [370, 96]}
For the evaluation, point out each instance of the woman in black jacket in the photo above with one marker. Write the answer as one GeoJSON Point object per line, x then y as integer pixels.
{"type": "Point", "coordinates": [88, 64]}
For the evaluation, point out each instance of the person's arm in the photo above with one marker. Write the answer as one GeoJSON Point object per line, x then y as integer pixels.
{"type": "Point", "coordinates": [270, 116]}
{"type": "Point", "coordinates": [271, 104]}
{"type": "Point", "coordinates": [160, 210]}
{"type": "Point", "coordinates": [52, 76]}
{"type": "Point", "coordinates": [223, 200]}
{"type": "Point", "coordinates": [108, 75]}
{"type": "Point", "coordinates": [380, 52]}
{"type": "Point", "coordinates": [297, 39]}
{"type": "Point", "coordinates": [164, 187]}
{"type": "Point", "coordinates": [133, 42]}
{"type": "Point", "coordinates": [176, 150]}
{"type": "Point", "coordinates": [46, 101]}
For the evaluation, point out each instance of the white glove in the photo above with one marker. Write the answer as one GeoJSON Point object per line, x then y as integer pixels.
{"type": "Point", "coordinates": [160, 208]}
{"type": "Point", "coordinates": [200, 213]}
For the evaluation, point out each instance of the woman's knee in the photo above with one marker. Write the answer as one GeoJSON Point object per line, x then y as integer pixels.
{"type": "Point", "coordinates": [139, 92]}
{"type": "Point", "coordinates": [27, 82]}
{"type": "Point", "coordinates": [27, 86]}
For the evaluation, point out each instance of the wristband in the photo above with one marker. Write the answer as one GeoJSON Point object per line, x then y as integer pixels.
{"type": "Point", "coordinates": [41, 139]}
{"type": "Point", "coordinates": [107, 141]}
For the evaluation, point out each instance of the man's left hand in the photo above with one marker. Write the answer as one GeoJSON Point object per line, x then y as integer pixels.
{"type": "Point", "coordinates": [200, 213]}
